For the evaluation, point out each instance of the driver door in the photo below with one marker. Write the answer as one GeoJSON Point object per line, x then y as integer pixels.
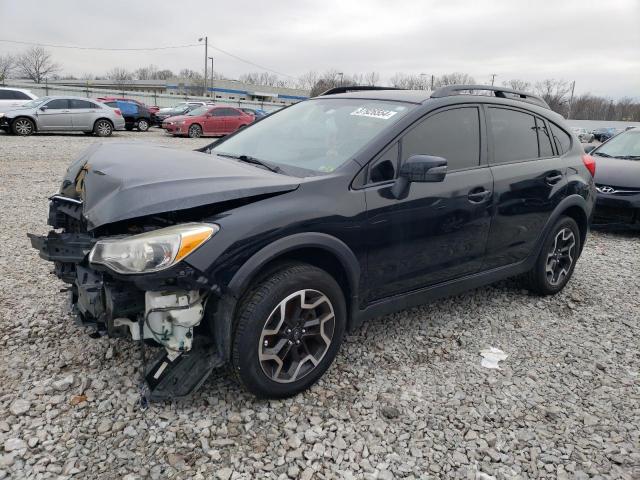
{"type": "Point", "coordinates": [438, 231]}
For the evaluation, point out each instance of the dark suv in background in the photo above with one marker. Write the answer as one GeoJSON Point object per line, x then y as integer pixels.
{"type": "Point", "coordinates": [263, 248]}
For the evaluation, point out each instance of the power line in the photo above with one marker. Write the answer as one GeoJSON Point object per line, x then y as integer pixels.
{"type": "Point", "coordinates": [75, 47]}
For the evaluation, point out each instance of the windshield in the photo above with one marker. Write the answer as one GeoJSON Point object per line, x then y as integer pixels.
{"type": "Point", "coordinates": [198, 111]}
{"type": "Point", "coordinates": [626, 145]}
{"type": "Point", "coordinates": [35, 103]}
{"type": "Point", "coordinates": [318, 135]}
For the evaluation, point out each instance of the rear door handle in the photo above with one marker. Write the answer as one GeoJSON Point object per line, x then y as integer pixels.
{"type": "Point", "coordinates": [553, 178]}
{"type": "Point", "coordinates": [478, 196]}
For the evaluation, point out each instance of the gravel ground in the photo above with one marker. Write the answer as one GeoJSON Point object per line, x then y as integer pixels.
{"type": "Point", "coordinates": [406, 398]}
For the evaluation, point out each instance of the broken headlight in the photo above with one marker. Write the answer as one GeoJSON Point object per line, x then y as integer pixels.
{"type": "Point", "coordinates": [151, 251]}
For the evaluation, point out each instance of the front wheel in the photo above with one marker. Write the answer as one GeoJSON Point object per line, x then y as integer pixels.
{"type": "Point", "coordinates": [23, 127]}
{"type": "Point", "coordinates": [288, 331]}
{"type": "Point", "coordinates": [195, 131]}
{"type": "Point", "coordinates": [557, 258]}
{"type": "Point", "coordinates": [103, 128]}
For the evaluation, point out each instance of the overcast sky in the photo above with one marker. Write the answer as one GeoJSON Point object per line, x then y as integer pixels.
{"type": "Point", "coordinates": [596, 43]}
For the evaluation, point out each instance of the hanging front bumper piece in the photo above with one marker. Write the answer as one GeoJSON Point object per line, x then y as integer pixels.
{"type": "Point", "coordinates": [163, 307]}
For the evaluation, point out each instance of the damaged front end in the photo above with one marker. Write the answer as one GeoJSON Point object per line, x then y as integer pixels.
{"type": "Point", "coordinates": [163, 305]}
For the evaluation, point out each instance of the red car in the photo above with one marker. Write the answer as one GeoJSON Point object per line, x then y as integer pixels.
{"type": "Point", "coordinates": [122, 99]}
{"type": "Point", "coordinates": [208, 120]}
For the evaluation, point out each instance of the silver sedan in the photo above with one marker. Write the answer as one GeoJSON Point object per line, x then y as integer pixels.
{"type": "Point", "coordinates": [62, 114]}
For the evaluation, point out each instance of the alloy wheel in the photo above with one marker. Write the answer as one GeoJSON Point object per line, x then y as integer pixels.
{"type": "Point", "coordinates": [296, 336]}
{"type": "Point", "coordinates": [23, 127]}
{"type": "Point", "coordinates": [143, 125]}
{"type": "Point", "coordinates": [560, 257]}
{"type": "Point", "coordinates": [195, 131]}
{"type": "Point", "coordinates": [103, 128]}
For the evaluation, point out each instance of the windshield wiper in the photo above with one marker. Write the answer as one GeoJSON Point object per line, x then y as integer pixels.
{"type": "Point", "coordinates": [602, 154]}
{"type": "Point", "coordinates": [629, 157]}
{"type": "Point", "coordinates": [253, 161]}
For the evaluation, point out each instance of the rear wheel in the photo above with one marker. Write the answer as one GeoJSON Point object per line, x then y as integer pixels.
{"type": "Point", "coordinates": [103, 128]}
{"type": "Point", "coordinates": [195, 131]}
{"type": "Point", "coordinates": [288, 330]}
{"type": "Point", "coordinates": [143, 125]}
{"type": "Point", "coordinates": [557, 258]}
{"type": "Point", "coordinates": [23, 126]}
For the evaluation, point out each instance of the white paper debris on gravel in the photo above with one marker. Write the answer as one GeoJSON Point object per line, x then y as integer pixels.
{"type": "Point", "coordinates": [491, 356]}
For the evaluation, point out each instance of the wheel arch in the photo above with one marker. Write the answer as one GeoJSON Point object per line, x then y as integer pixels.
{"type": "Point", "coordinates": [318, 249]}
{"type": "Point", "coordinates": [28, 117]}
{"type": "Point", "coordinates": [574, 206]}
{"type": "Point", "coordinates": [103, 118]}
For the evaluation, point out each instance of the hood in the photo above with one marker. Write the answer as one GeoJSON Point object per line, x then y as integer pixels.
{"type": "Point", "coordinates": [617, 172]}
{"type": "Point", "coordinates": [118, 181]}
{"type": "Point", "coordinates": [177, 118]}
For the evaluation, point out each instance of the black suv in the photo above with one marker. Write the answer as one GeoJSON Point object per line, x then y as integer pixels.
{"type": "Point", "coordinates": [263, 248]}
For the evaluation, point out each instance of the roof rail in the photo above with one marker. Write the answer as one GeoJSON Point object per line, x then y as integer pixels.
{"type": "Point", "coordinates": [500, 92]}
{"type": "Point", "coordinates": [355, 88]}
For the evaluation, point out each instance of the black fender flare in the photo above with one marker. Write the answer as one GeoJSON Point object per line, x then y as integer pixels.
{"type": "Point", "coordinates": [573, 200]}
{"type": "Point", "coordinates": [331, 244]}
{"type": "Point", "coordinates": [222, 322]}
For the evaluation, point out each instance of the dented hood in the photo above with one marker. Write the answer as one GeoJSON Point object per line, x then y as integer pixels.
{"type": "Point", "coordinates": [118, 181]}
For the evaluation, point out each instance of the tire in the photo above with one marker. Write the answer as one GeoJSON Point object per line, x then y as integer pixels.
{"type": "Point", "coordinates": [103, 128]}
{"type": "Point", "coordinates": [143, 125]}
{"type": "Point", "coordinates": [195, 131]}
{"type": "Point", "coordinates": [305, 353]}
{"type": "Point", "coordinates": [557, 260]}
{"type": "Point", "coordinates": [23, 126]}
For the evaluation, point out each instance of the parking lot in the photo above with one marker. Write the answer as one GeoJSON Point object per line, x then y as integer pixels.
{"type": "Point", "coordinates": [406, 398]}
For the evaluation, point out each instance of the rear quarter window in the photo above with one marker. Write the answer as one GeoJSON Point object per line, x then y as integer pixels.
{"type": "Point", "coordinates": [561, 138]}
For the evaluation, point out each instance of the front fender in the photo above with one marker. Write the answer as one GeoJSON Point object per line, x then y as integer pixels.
{"type": "Point", "coordinates": [220, 319]}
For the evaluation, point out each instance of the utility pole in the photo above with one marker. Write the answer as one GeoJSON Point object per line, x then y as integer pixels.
{"type": "Point", "coordinates": [573, 87]}
{"type": "Point", "coordinates": [211, 58]}
{"type": "Point", "coordinates": [206, 60]}
{"type": "Point", "coordinates": [432, 80]}
{"type": "Point", "coordinates": [493, 78]}
{"type": "Point", "coordinates": [341, 77]}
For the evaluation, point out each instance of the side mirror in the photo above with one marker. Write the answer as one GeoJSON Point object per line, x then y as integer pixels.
{"type": "Point", "coordinates": [589, 148]}
{"type": "Point", "coordinates": [44, 108]}
{"type": "Point", "coordinates": [419, 168]}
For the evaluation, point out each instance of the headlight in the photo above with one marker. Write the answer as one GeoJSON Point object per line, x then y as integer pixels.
{"type": "Point", "coordinates": [151, 251]}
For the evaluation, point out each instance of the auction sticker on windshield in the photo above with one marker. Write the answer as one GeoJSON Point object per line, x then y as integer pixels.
{"type": "Point", "coordinates": [373, 113]}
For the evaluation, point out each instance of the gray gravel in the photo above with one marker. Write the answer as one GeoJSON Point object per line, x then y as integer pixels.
{"type": "Point", "coordinates": [406, 398]}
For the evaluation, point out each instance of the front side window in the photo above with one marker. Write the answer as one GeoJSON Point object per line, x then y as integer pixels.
{"type": "Point", "coordinates": [452, 134]}
{"type": "Point", "coordinates": [316, 135]}
{"type": "Point", "coordinates": [6, 95]}
{"type": "Point", "coordinates": [515, 135]}
{"type": "Point", "coordinates": [58, 104]}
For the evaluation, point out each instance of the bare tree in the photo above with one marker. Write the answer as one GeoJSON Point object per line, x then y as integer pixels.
{"type": "Point", "coordinates": [121, 77]}
{"type": "Point", "coordinates": [409, 81]}
{"type": "Point", "coordinates": [307, 80]}
{"type": "Point", "coordinates": [164, 74]}
{"type": "Point", "coordinates": [36, 63]}
{"type": "Point", "coordinates": [520, 85]}
{"type": "Point", "coordinates": [370, 78]}
{"type": "Point", "coordinates": [555, 93]}
{"type": "Point", "coordinates": [455, 78]}
{"type": "Point", "coordinates": [7, 65]}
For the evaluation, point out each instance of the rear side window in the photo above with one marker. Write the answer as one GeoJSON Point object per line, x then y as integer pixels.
{"type": "Point", "coordinates": [82, 104]}
{"type": "Point", "coordinates": [544, 139]}
{"type": "Point", "coordinates": [452, 134]}
{"type": "Point", "coordinates": [515, 135]}
{"type": "Point", "coordinates": [58, 104]}
{"type": "Point", "coordinates": [562, 139]}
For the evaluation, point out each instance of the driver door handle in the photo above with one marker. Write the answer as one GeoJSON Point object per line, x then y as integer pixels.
{"type": "Point", "coordinates": [478, 195]}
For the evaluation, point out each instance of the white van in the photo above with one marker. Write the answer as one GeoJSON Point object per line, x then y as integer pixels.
{"type": "Point", "coordinates": [11, 98]}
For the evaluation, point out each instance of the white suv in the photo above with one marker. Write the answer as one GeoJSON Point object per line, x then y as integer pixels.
{"type": "Point", "coordinates": [11, 98]}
